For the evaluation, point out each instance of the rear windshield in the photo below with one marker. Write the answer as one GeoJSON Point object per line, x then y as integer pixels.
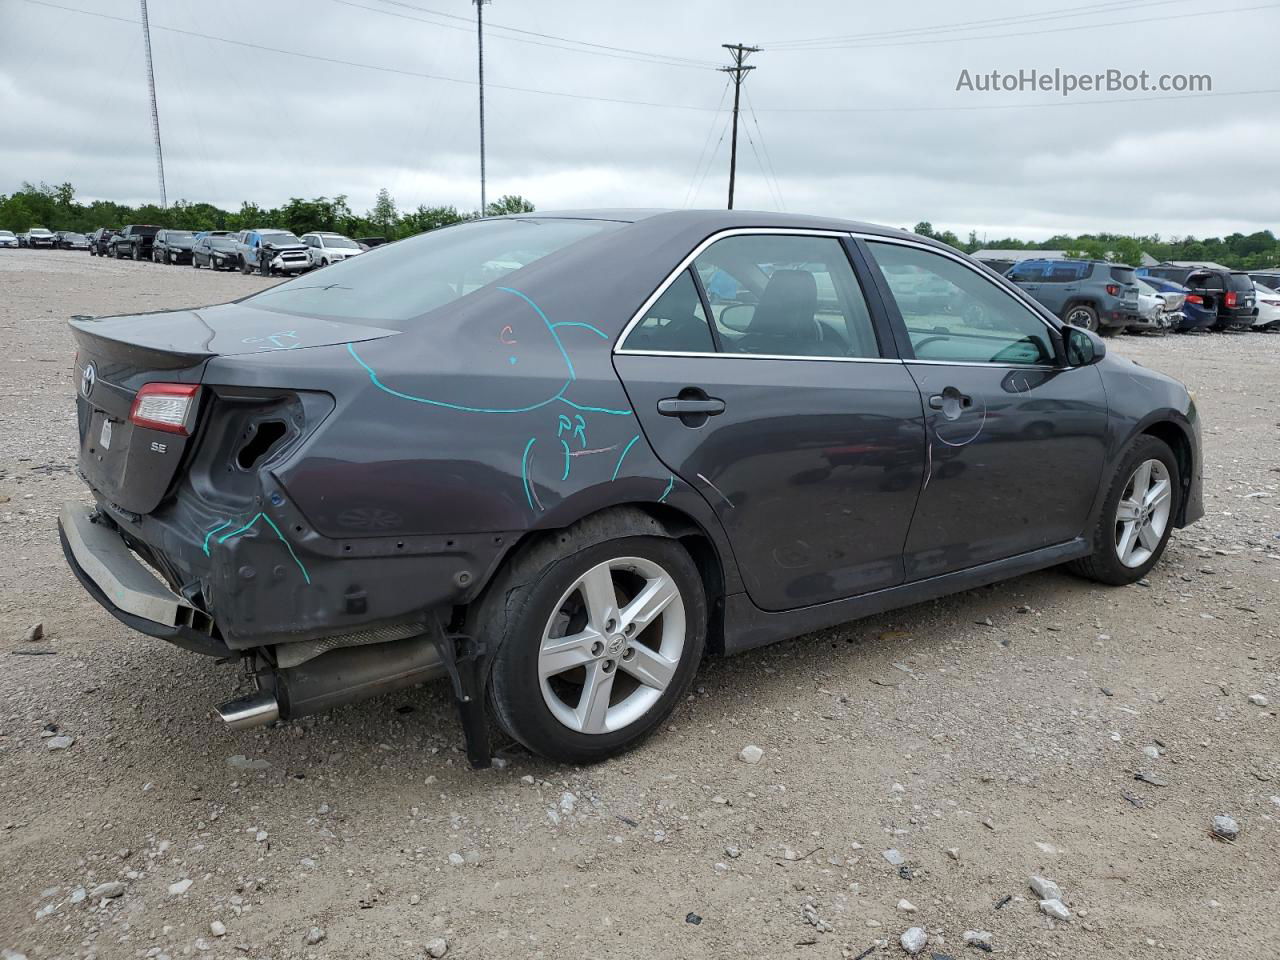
{"type": "Point", "coordinates": [145, 231]}
{"type": "Point", "coordinates": [400, 281]}
{"type": "Point", "coordinates": [177, 235]}
{"type": "Point", "coordinates": [1123, 274]}
{"type": "Point", "coordinates": [1240, 282]}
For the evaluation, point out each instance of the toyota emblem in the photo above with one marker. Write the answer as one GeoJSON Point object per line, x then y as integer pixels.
{"type": "Point", "coordinates": [88, 378]}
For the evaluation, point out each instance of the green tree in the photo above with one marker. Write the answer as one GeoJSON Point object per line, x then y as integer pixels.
{"type": "Point", "coordinates": [509, 203]}
{"type": "Point", "coordinates": [383, 216]}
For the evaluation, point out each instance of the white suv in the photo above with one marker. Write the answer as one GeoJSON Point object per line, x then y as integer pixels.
{"type": "Point", "coordinates": [327, 248]}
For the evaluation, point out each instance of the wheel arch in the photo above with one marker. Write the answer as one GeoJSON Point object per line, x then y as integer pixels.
{"type": "Point", "coordinates": [538, 547]}
{"type": "Point", "coordinates": [1178, 439]}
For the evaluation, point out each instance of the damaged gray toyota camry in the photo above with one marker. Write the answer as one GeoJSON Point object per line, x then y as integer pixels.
{"type": "Point", "coordinates": [557, 458]}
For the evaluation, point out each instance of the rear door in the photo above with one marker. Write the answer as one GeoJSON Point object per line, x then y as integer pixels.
{"type": "Point", "coordinates": [785, 412]}
{"type": "Point", "coordinates": [1015, 442]}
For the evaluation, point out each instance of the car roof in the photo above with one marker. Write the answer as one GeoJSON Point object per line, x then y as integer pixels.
{"type": "Point", "coordinates": [718, 219]}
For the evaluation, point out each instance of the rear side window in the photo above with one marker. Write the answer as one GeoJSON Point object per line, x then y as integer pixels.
{"type": "Point", "coordinates": [403, 281]}
{"type": "Point", "coordinates": [1239, 282]}
{"type": "Point", "coordinates": [786, 295]}
{"type": "Point", "coordinates": [676, 323]}
{"type": "Point", "coordinates": [1065, 272]}
{"type": "Point", "coordinates": [1123, 274]}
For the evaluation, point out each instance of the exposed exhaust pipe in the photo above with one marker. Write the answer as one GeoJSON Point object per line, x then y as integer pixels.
{"type": "Point", "coordinates": [255, 710]}
{"type": "Point", "coordinates": [336, 678]}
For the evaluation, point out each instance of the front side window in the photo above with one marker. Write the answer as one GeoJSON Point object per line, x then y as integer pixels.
{"type": "Point", "coordinates": [786, 295]}
{"type": "Point", "coordinates": [676, 323]}
{"type": "Point", "coordinates": [410, 278]}
{"type": "Point", "coordinates": [976, 322]}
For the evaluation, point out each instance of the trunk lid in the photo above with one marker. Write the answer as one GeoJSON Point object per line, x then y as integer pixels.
{"type": "Point", "coordinates": [133, 465]}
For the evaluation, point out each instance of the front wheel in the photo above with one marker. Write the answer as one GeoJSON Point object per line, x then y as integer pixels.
{"type": "Point", "coordinates": [596, 646]}
{"type": "Point", "coordinates": [1137, 517]}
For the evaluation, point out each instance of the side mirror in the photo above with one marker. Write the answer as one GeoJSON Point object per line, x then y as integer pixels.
{"type": "Point", "coordinates": [1083, 347]}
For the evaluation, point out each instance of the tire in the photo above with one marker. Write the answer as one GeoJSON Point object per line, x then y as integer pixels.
{"type": "Point", "coordinates": [1081, 315]}
{"type": "Point", "coordinates": [244, 266]}
{"type": "Point", "coordinates": [1105, 564]}
{"type": "Point", "coordinates": [541, 595]}
{"type": "Point", "coordinates": [195, 264]}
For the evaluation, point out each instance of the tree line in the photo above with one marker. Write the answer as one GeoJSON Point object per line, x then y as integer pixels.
{"type": "Point", "coordinates": [57, 208]}
{"type": "Point", "coordinates": [1239, 251]}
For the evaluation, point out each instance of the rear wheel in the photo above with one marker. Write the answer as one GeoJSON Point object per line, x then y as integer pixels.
{"type": "Point", "coordinates": [1137, 517]}
{"type": "Point", "coordinates": [1081, 315]}
{"type": "Point", "coordinates": [244, 266]}
{"type": "Point", "coordinates": [596, 645]}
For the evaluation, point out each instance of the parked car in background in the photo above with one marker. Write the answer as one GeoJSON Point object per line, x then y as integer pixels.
{"type": "Point", "coordinates": [215, 252]}
{"type": "Point", "coordinates": [8, 239]}
{"type": "Point", "coordinates": [579, 475]}
{"type": "Point", "coordinates": [368, 243]}
{"type": "Point", "coordinates": [1195, 315]}
{"type": "Point", "coordinates": [70, 240]}
{"type": "Point", "coordinates": [1153, 312]}
{"type": "Point", "coordinates": [1093, 294]}
{"type": "Point", "coordinates": [100, 241]}
{"type": "Point", "coordinates": [172, 246]}
{"type": "Point", "coordinates": [1229, 293]}
{"type": "Point", "coordinates": [326, 248]}
{"type": "Point", "coordinates": [36, 237]}
{"type": "Point", "coordinates": [1268, 308]}
{"type": "Point", "coordinates": [134, 241]}
{"type": "Point", "coordinates": [272, 251]}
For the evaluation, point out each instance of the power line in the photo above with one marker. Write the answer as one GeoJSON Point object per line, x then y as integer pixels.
{"type": "Point", "coordinates": [1111, 6]}
{"type": "Point", "coordinates": [372, 66]}
{"type": "Point", "coordinates": [1038, 105]}
{"type": "Point", "coordinates": [777, 186]}
{"type": "Point", "coordinates": [1035, 105]}
{"type": "Point", "coordinates": [652, 59]}
{"type": "Point", "coordinates": [551, 36]}
{"type": "Point", "coordinates": [737, 71]}
{"type": "Point", "coordinates": [711, 132]}
{"type": "Point", "coordinates": [1031, 33]}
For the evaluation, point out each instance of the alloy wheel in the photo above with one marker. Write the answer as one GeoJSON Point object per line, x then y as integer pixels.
{"type": "Point", "coordinates": [1081, 318]}
{"type": "Point", "coordinates": [1142, 515]}
{"type": "Point", "coordinates": [612, 645]}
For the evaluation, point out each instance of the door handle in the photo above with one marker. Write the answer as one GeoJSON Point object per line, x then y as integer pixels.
{"type": "Point", "coordinates": [951, 402]}
{"type": "Point", "coordinates": [675, 407]}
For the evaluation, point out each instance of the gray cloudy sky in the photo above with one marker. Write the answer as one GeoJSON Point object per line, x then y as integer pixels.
{"type": "Point", "coordinates": [870, 127]}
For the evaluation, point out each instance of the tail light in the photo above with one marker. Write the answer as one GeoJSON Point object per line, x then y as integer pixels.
{"type": "Point", "coordinates": [1231, 300]}
{"type": "Point", "coordinates": [164, 406]}
{"type": "Point", "coordinates": [1113, 290]}
{"type": "Point", "coordinates": [1195, 298]}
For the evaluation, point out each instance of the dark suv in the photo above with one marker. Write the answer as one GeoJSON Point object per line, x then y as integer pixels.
{"type": "Point", "coordinates": [1228, 292]}
{"type": "Point", "coordinates": [1093, 294]}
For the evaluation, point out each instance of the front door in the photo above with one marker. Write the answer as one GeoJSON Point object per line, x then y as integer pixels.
{"type": "Point", "coordinates": [1015, 440]}
{"type": "Point", "coordinates": [783, 412]}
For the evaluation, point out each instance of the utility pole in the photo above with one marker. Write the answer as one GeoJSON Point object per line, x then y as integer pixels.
{"type": "Point", "coordinates": [480, 59]}
{"type": "Point", "coordinates": [739, 72]}
{"type": "Point", "coordinates": [155, 112]}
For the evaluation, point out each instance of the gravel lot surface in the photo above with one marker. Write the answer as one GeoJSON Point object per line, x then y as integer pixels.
{"type": "Point", "coordinates": [982, 739]}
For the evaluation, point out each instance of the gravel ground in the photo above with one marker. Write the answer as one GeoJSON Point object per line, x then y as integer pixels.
{"type": "Point", "coordinates": [988, 737]}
